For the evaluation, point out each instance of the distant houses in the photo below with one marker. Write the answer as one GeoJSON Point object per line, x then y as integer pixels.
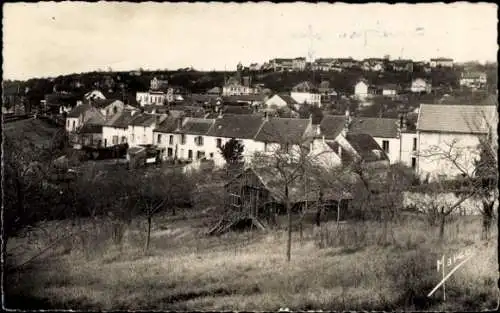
{"type": "Point", "coordinates": [441, 63]}
{"type": "Point", "coordinates": [306, 92]}
{"type": "Point", "coordinates": [473, 79]}
{"type": "Point", "coordinates": [420, 85]}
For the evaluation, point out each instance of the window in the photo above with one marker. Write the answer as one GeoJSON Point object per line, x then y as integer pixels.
{"type": "Point", "coordinates": [115, 109]}
{"type": "Point", "coordinates": [124, 139]}
{"type": "Point", "coordinates": [190, 154]}
{"type": "Point", "coordinates": [198, 140]}
{"type": "Point", "coordinates": [265, 147]}
{"type": "Point", "coordinates": [385, 146]}
{"type": "Point", "coordinates": [200, 155]}
{"type": "Point", "coordinates": [132, 138]}
{"type": "Point", "coordinates": [183, 139]}
{"type": "Point", "coordinates": [105, 142]}
{"type": "Point", "coordinates": [67, 124]}
{"type": "Point", "coordinates": [219, 142]}
{"type": "Point", "coordinates": [413, 163]}
{"type": "Point", "coordinates": [171, 140]}
{"type": "Point", "coordinates": [211, 155]}
{"type": "Point", "coordinates": [170, 152]}
{"type": "Point", "coordinates": [414, 144]}
{"type": "Point", "coordinates": [114, 140]}
{"type": "Point", "coordinates": [158, 139]}
{"type": "Point", "coordinates": [74, 125]}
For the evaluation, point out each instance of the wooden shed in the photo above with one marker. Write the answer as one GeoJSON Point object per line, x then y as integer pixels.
{"type": "Point", "coordinates": [260, 193]}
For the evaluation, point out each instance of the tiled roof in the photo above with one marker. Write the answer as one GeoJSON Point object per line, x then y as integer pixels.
{"type": "Point", "coordinates": [196, 126]}
{"type": "Point", "coordinates": [283, 130]}
{"type": "Point", "coordinates": [237, 110]}
{"type": "Point", "coordinates": [143, 120]}
{"type": "Point", "coordinates": [243, 98]}
{"type": "Point", "coordinates": [457, 118]}
{"type": "Point", "coordinates": [375, 126]}
{"type": "Point", "coordinates": [288, 99]}
{"type": "Point", "coordinates": [121, 119]}
{"type": "Point", "coordinates": [90, 129]}
{"type": "Point", "coordinates": [79, 110]}
{"type": "Point", "coordinates": [304, 86]}
{"type": "Point", "coordinates": [236, 126]}
{"type": "Point", "coordinates": [332, 125]}
{"type": "Point", "coordinates": [365, 145]}
{"type": "Point", "coordinates": [345, 155]}
{"type": "Point", "coordinates": [98, 103]}
{"type": "Point", "coordinates": [168, 125]}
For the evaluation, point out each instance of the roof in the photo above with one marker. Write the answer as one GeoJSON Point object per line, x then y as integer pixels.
{"type": "Point", "coordinates": [196, 126]}
{"type": "Point", "coordinates": [441, 59]}
{"type": "Point", "coordinates": [237, 110]}
{"type": "Point", "coordinates": [120, 119]}
{"type": "Point", "coordinates": [375, 126]}
{"type": "Point", "coordinates": [304, 86]}
{"type": "Point", "coordinates": [332, 125]}
{"type": "Point", "coordinates": [365, 145]}
{"type": "Point", "coordinates": [288, 99]}
{"type": "Point", "coordinates": [143, 120]}
{"type": "Point", "coordinates": [102, 103]}
{"type": "Point", "coordinates": [79, 110]}
{"type": "Point", "coordinates": [273, 182]}
{"type": "Point", "coordinates": [390, 86]}
{"type": "Point", "coordinates": [345, 155]}
{"type": "Point", "coordinates": [236, 126]}
{"type": "Point", "coordinates": [214, 90]}
{"type": "Point", "coordinates": [243, 98]}
{"type": "Point", "coordinates": [457, 118]}
{"type": "Point", "coordinates": [168, 125]}
{"type": "Point", "coordinates": [283, 130]}
{"type": "Point", "coordinates": [90, 129]}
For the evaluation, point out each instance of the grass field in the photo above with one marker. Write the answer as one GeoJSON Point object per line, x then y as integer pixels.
{"type": "Point", "coordinates": [184, 270]}
{"type": "Point", "coordinates": [37, 131]}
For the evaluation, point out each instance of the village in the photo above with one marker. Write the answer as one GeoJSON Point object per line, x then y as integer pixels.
{"type": "Point", "coordinates": [287, 183]}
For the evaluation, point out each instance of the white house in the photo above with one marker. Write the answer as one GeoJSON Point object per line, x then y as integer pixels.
{"type": "Point", "coordinates": [140, 129]}
{"type": "Point", "coordinates": [449, 135]}
{"type": "Point", "coordinates": [390, 90]}
{"type": "Point", "coordinates": [306, 92]}
{"type": "Point", "coordinates": [188, 140]}
{"type": "Point", "coordinates": [299, 64]}
{"type": "Point", "coordinates": [110, 107]}
{"type": "Point", "coordinates": [441, 62]}
{"type": "Point", "coordinates": [164, 137]}
{"type": "Point", "coordinates": [281, 101]}
{"type": "Point", "coordinates": [361, 89]}
{"type": "Point", "coordinates": [152, 97]}
{"type": "Point", "coordinates": [419, 85]}
{"type": "Point", "coordinates": [234, 87]}
{"type": "Point", "coordinates": [82, 114]}
{"type": "Point", "coordinates": [408, 149]}
{"type": "Point", "coordinates": [115, 130]}
{"type": "Point", "coordinates": [473, 79]}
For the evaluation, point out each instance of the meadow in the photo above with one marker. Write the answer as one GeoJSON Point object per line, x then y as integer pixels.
{"type": "Point", "coordinates": [354, 267]}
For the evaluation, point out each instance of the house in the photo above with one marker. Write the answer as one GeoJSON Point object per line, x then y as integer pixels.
{"type": "Point", "coordinates": [306, 92]}
{"type": "Point", "coordinates": [152, 97]}
{"type": "Point", "coordinates": [361, 89]}
{"type": "Point", "coordinates": [449, 135]}
{"type": "Point", "coordinates": [402, 65]}
{"type": "Point", "coordinates": [81, 115]}
{"type": "Point", "coordinates": [336, 144]}
{"type": "Point", "coordinates": [254, 67]}
{"type": "Point", "coordinates": [58, 102]}
{"type": "Point", "coordinates": [243, 128]}
{"type": "Point", "coordinates": [323, 64]}
{"type": "Point", "coordinates": [140, 129]}
{"type": "Point", "coordinates": [390, 90]}
{"type": "Point", "coordinates": [237, 86]}
{"type": "Point", "coordinates": [258, 193]}
{"type": "Point", "coordinates": [254, 100]}
{"type": "Point", "coordinates": [299, 64]}
{"type": "Point", "coordinates": [214, 91]}
{"type": "Point", "coordinates": [280, 64]}
{"type": "Point", "coordinates": [282, 101]}
{"type": "Point", "coordinates": [327, 93]}
{"type": "Point", "coordinates": [420, 85]}
{"type": "Point", "coordinates": [288, 134]}
{"type": "Point", "coordinates": [109, 107]}
{"type": "Point", "coordinates": [345, 62]}
{"type": "Point", "coordinates": [373, 64]}
{"type": "Point", "coordinates": [94, 95]}
{"type": "Point", "coordinates": [164, 137]}
{"type": "Point", "coordinates": [441, 62]}
{"type": "Point", "coordinates": [190, 139]}
{"type": "Point", "coordinates": [473, 79]}
{"type": "Point", "coordinates": [115, 130]}
{"type": "Point", "coordinates": [90, 135]}
{"type": "Point", "coordinates": [158, 84]}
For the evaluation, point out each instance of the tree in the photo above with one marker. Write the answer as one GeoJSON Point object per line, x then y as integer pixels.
{"type": "Point", "coordinates": [232, 151]}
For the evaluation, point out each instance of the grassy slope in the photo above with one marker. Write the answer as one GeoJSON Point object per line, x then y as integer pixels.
{"type": "Point", "coordinates": [35, 130]}
{"type": "Point", "coordinates": [245, 271]}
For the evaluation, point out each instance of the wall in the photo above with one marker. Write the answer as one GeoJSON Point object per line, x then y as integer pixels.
{"type": "Point", "coordinates": [140, 135]}
{"type": "Point", "coordinates": [407, 151]}
{"type": "Point", "coordinates": [145, 98]}
{"type": "Point", "coordinates": [323, 155]}
{"type": "Point", "coordinates": [466, 145]}
{"type": "Point", "coordinates": [361, 90]}
{"type": "Point", "coordinates": [71, 120]}
{"type": "Point", "coordinates": [108, 133]}
{"type": "Point", "coordinates": [394, 147]}
{"type": "Point", "coordinates": [311, 98]}
{"type": "Point", "coordinates": [277, 101]}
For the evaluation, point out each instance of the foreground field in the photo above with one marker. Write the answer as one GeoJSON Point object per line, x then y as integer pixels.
{"type": "Point", "coordinates": [184, 270]}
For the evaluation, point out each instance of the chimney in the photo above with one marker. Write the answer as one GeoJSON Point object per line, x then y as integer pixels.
{"type": "Point", "coordinates": [179, 123]}
{"type": "Point", "coordinates": [318, 131]}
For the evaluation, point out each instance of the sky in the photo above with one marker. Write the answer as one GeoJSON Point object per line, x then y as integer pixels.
{"type": "Point", "coordinates": [50, 39]}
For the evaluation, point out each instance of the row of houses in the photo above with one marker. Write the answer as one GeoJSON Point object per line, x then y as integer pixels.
{"type": "Point", "coordinates": [336, 139]}
{"type": "Point", "coordinates": [341, 64]}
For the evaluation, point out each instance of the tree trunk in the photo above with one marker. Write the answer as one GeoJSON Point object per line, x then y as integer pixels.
{"type": "Point", "coordinates": [441, 227]}
{"type": "Point", "coordinates": [148, 235]}
{"type": "Point", "coordinates": [289, 212]}
{"type": "Point", "coordinates": [487, 218]}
